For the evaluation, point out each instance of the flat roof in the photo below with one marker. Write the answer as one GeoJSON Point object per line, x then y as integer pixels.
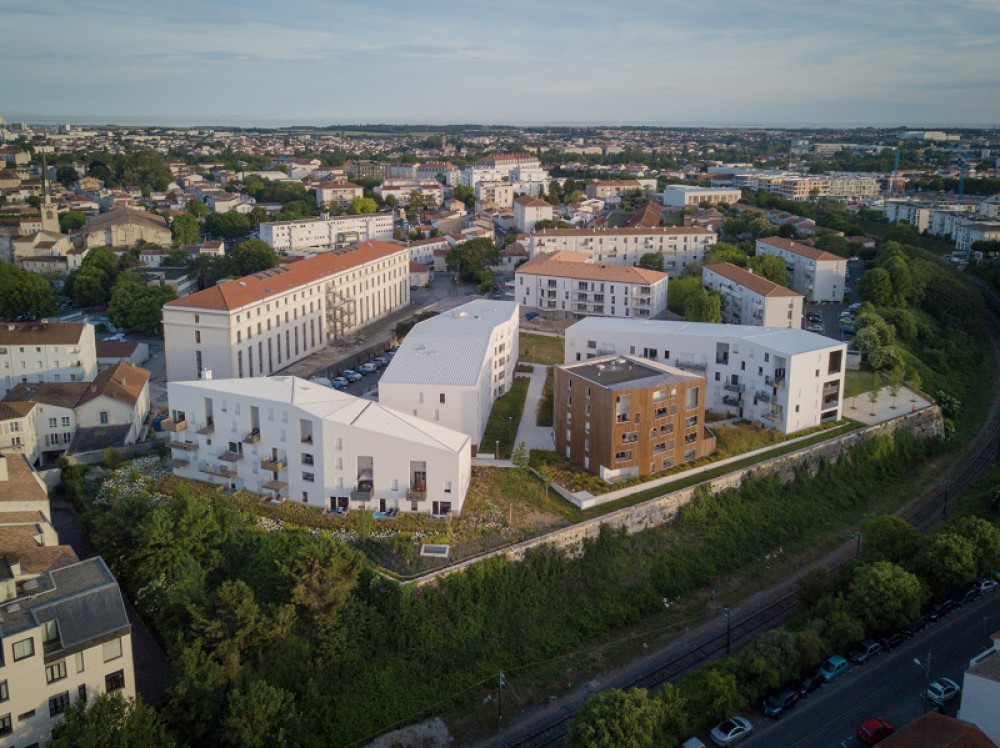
{"type": "Point", "coordinates": [614, 371]}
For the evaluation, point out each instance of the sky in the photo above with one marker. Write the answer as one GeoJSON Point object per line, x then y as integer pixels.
{"type": "Point", "coordinates": [653, 62]}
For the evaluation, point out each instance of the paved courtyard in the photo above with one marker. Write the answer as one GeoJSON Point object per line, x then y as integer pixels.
{"type": "Point", "coordinates": [885, 407]}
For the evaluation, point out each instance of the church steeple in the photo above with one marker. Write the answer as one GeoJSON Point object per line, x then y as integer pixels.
{"type": "Point", "coordinates": [50, 212]}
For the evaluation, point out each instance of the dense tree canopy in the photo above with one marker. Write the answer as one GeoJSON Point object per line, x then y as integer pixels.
{"type": "Point", "coordinates": [470, 258]}
{"type": "Point", "coordinates": [71, 221]}
{"type": "Point", "coordinates": [185, 230]}
{"type": "Point", "coordinates": [136, 306]}
{"type": "Point", "coordinates": [22, 292]}
{"type": "Point", "coordinates": [230, 226]}
{"type": "Point", "coordinates": [110, 720]}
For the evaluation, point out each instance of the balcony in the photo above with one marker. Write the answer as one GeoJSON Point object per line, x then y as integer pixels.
{"type": "Point", "coordinates": [361, 495]}
{"type": "Point", "coordinates": [275, 485]}
{"type": "Point", "coordinates": [732, 400]}
{"type": "Point", "coordinates": [230, 456]}
{"type": "Point", "coordinates": [417, 492]}
{"type": "Point", "coordinates": [273, 464]}
{"type": "Point", "coordinates": [733, 387]}
{"type": "Point", "coordinates": [217, 470]}
{"type": "Point", "coordinates": [173, 426]}
{"type": "Point", "coordinates": [208, 429]}
{"type": "Point", "coordinates": [177, 462]}
{"type": "Point", "coordinates": [186, 446]}
{"type": "Point", "coordinates": [253, 437]}
{"type": "Point", "coordinates": [722, 359]}
{"type": "Point", "coordinates": [831, 388]}
{"type": "Point", "coordinates": [764, 397]}
{"type": "Point", "coordinates": [691, 365]}
{"type": "Point", "coordinates": [775, 381]}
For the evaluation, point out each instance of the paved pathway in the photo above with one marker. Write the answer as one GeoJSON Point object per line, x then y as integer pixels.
{"type": "Point", "coordinates": [534, 437]}
{"type": "Point", "coordinates": [885, 407]}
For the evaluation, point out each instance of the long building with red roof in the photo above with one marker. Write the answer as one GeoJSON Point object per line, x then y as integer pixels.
{"type": "Point", "coordinates": [262, 323]}
{"type": "Point", "coordinates": [816, 274]}
{"type": "Point", "coordinates": [679, 246]}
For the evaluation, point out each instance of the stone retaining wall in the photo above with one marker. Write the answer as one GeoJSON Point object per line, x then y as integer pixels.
{"type": "Point", "coordinates": [662, 509]}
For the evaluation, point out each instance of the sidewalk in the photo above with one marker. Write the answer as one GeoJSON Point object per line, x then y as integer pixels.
{"type": "Point", "coordinates": [534, 437]}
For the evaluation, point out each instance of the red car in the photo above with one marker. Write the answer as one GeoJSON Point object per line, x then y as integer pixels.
{"type": "Point", "coordinates": [875, 730]}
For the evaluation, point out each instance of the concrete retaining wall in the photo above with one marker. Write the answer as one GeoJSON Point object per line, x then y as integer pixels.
{"type": "Point", "coordinates": [129, 450]}
{"type": "Point", "coordinates": [662, 509]}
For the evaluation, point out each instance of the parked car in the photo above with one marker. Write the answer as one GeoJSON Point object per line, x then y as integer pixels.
{"type": "Point", "coordinates": [808, 683]}
{"type": "Point", "coordinates": [875, 730]}
{"type": "Point", "coordinates": [368, 368]}
{"type": "Point", "coordinates": [938, 608]}
{"type": "Point", "coordinates": [918, 625]}
{"type": "Point", "coordinates": [965, 595]}
{"type": "Point", "coordinates": [864, 651]}
{"type": "Point", "coordinates": [847, 329]}
{"type": "Point", "coordinates": [732, 731]}
{"type": "Point", "coordinates": [834, 667]}
{"type": "Point", "coordinates": [382, 359]}
{"type": "Point", "coordinates": [692, 743]}
{"type": "Point", "coordinates": [350, 375]}
{"type": "Point", "coordinates": [322, 380]}
{"type": "Point", "coordinates": [943, 690]}
{"type": "Point", "coordinates": [855, 307]}
{"type": "Point", "coordinates": [778, 703]}
{"type": "Point", "coordinates": [339, 382]}
{"type": "Point", "coordinates": [985, 585]}
{"type": "Point", "coordinates": [815, 327]}
{"type": "Point", "coordinates": [891, 641]}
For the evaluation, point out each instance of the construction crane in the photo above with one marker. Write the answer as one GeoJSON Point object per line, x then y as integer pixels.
{"type": "Point", "coordinates": [895, 168]}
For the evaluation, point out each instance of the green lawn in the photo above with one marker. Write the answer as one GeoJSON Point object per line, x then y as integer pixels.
{"type": "Point", "coordinates": [859, 382]}
{"type": "Point", "coordinates": [540, 349]}
{"type": "Point", "coordinates": [504, 419]}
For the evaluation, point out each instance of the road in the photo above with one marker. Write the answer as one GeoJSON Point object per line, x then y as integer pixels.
{"type": "Point", "coordinates": [831, 312]}
{"type": "Point", "coordinates": [889, 686]}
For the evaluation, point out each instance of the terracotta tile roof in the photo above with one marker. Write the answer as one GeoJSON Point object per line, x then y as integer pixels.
{"type": "Point", "coordinates": [528, 201]}
{"type": "Point", "coordinates": [803, 250]}
{"type": "Point", "coordinates": [40, 333]}
{"type": "Point", "coordinates": [19, 542]}
{"type": "Point", "coordinates": [115, 349]}
{"type": "Point", "coordinates": [339, 186]}
{"type": "Point", "coordinates": [123, 382]}
{"type": "Point", "coordinates": [252, 288]}
{"type": "Point", "coordinates": [574, 265]}
{"type": "Point", "coordinates": [619, 183]}
{"type": "Point", "coordinates": [417, 267]}
{"type": "Point", "coordinates": [756, 283]}
{"type": "Point", "coordinates": [660, 230]}
{"type": "Point", "coordinates": [60, 394]}
{"type": "Point", "coordinates": [933, 730]}
{"type": "Point", "coordinates": [9, 411]}
{"type": "Point", "coordinates": [118, 216]}
{"type": "Point", "coordinates": [431, 240]}
{"type": "Point", "coordinates": [22, 483]}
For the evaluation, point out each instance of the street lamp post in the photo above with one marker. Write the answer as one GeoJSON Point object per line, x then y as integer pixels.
{"type": "Point", "coordinates": [857, 550]}
{"type": "Point", "coordinates": [926, 667]}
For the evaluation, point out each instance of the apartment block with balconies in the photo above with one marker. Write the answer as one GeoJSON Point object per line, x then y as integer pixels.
{"type": "Point", "coordinates": [294, 440]}
{"type": "Point", "coordinates": [817, 275]}
{"type": "Point", "coordinates": [32, 352]}
{"type": "Point", "coordinates": [679, 246]}
{"type": "Point", "coordinates": [750, 299]}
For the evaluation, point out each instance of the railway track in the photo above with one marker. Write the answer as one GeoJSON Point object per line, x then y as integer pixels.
{"type": "Point", "coordinates": [924, 514]}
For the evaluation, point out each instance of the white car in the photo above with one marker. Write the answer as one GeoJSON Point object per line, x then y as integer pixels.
{"type": "Point", "coordinates": [943, 690]}
{"type": "Point", "coordinates": [368, 368]}
{"type": "Point", "coordinates": [985, 585]}
{"type": "Point", "coordinates": [732, 731]}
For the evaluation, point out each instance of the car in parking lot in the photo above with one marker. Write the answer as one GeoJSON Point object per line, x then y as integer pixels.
{"type": "Point", "coordinates": [966, 595]}
{"type": "Point", "coordinates": [815, 327]}
{"type": "Point", "coordinates": [350, 375]}
{"type": "Point", "coordinates": [855, 307]}
{"type": "Point", "coordinates": [938, 608]}
{"type": "Point", "coordinates": [834, 667]}
{"type": "Point", "coordinates": [943, 690]}
{"type": "Point", "coordinates": [875, 730]}
{"type": "Point", "coordinates": [778, 703]}
{"type": "Point", "coordinates": [322, 380]}
{"type": "Point", "coordinates": [891, 641]}
{"type": "Point", "coordinates": [339, 382]}
{"type": "Point", "coordinates": [809, 683]}
{"type": "Point", "coordinates": [382, 359]}
{"type": "Point", "coordinates": [918, 625]}
{"type": "Point", "coordinates": [732, 731]}
{"type": "Point", "coordinates": [985, 585]}
{"type": "Point", "coordinates": [864, 651]}
{"type": "Point", "coordinates": [368, 368]}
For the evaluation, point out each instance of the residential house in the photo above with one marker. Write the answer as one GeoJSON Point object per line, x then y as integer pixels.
{"type": "Point", "coordinates": [338, 194]}
{"type": "Point", "coordinates": [751, 299]}
{"type": "Point", "coordinates": [981, 691]}
{"type": "Point", "coordinates": [528, 211]}
{"type": "Point", "coordinates": [32, 352]}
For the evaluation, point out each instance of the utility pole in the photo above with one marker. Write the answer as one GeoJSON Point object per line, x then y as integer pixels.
{"type": "Point", "coordinates": [729, 631]}
{"type": "Point", "coordinates": [500, 685]}
{"type": "Point", "coordinates": [857, 550]}
{"type": "Point", "coordinates": [926, 665]}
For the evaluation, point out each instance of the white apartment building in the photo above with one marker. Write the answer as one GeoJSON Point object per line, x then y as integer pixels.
{"type": "Point", "coordinates": [965, 234]}
{"type": "Point", "coordinates": [524, 172]}
{"type": "Point", "coordinates": [500, 194]}
{"type": "Point", "coordinates": [528, 211]}
{"type": "Point", "coordinates": [606, 189]}
{"type": "Point", "coordinates": [341, 194]}
{"type": "Point", "coordinates": [451, 368]}
{"type": "Point", "coordinates": [401, 191]}
{"type": "Point", "coordinates": [750, 299]}
{"type": "Point", "coordinates": [302, 441]}
{"type": "Point", "coordinates": [981, 691]}
{"type": "Point", "coordinates": [679, 247]}
{"type": "Point", "coordinates": [319, 234]}
{"type": "Point", "coordinates": [433, 171]}
{"type": "Point", "coordinates": [788, 380]}
{"type": "Point", "coordinates": [261, 323]}
{"type": "Point", "coordinates": [568, 283]}
{"type": "Point", "coordinates": [848, 186]}
{"type": "Point", "coordinates": [680, 195]}
{"type": "Point", "coordinates": [46, 352]}
{"type": "Point", "coordinates": [817, 275]}
{"type": "Point", "coordinates": [927, 215]}
{"type": "Point", "coordinates": [423, 250]}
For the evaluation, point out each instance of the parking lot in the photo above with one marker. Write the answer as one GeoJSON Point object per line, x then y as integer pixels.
{"type": "Point", "coordinates": [367, 386]}
{"type": "Point", "coordinates": [830, 313]}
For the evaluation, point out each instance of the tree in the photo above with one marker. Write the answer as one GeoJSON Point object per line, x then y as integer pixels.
{"type": "Point", "coordinates": [468, 258]}
{"type": "Point", "coordinates": [651, 261]}
{"type": "Point", "coordinates": [550, 223]}
{"type": "Point", "coordinates": [771, 267]}
{"type": "Point", "coordinates": [985, 537]}
{"type": "Point", "coordinates": [466, 194]}
{"type": "Point", "coordinates": [230, 226]}
{"type": "Point", "coordinates": [876, 286]}
{"type": "Point", "coordinates": [873, 393]}
{"type": "Point", "coordinates": [252, 256]}
{"type": "Point", "coordinates": [136, 306]}
{"type": "Point", "coordinates": [22, 292]}
{"type": "Point", "coordinates": [895, 383]}
{"type": "Point", "coordinates": [177, 258]}
{"type": "Point", "coordinates": [889, 538]}
{"type": "Point", "coordinates": [615, 719]}
{"type": "Point", "coordinates": [196, 208]}
{"type": "Point", "coordinates": [703, 306]}
{"type": "Point", "coordinates": [185, 230]}
{"type": "Point", "coordinates": [66, 175]}
{"type": "Point", "coordinates": [681, 290]}
{"type": "Point", "coordinates": [110, 721]}
{"type": "Point", "coordinates": [520, 456]}
{"type": "Point", "coordinates": [884, 596]}
{"type": "Point", "coordinates": [71, 221]}
{"type": "Point", "coordinates": [88, 289]}
{"type": "Point", "coordinates": [724, 252]}
{"type": "Point", "coordinates": [363, 205]}
{"type": "Point", "coordinates": [717, 695]}
{"type": "Point", "coordinates": [915, 382]}
{"type": "Point", "coordinates": [947, 562]}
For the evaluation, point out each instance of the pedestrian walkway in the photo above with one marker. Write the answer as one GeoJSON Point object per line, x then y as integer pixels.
{"type": "Point", "coordinates": [534, 437]}
{"type": "Point", "coordinates": [885, 408]}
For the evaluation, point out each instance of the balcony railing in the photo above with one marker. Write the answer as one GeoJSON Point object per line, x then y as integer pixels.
{"type": "Point", "coordinates": [187, 446]}
{"type": "Point", "coordinates": [777, 381]}
{"type": "Point", "coordinates": [176, 462]}
{"type": "Point", "coordinates": [417, 493]}
{"type": "Point", "coordinates": [829, 389]}
{"type": "Point", "coordinates": [763, 396]}
{"type": "Point", "coordinates": [174, 426]}
{"type": "Point", "coordinates": [273, 463]}
{"type": "Point", "coordinates": [229, 456]}
{"type": "Point", "coordinates": [253, 437]}
{"type": "Point", "coordinates": [217, 470]}
{"type": "Point", "coordinates": [733, 387]}
{"type": "Point", "coordinates": [361, 495]}
{"type": "Point", "coordinates": [275, 485]}
{"type": "Point", "coordinates": [690, 365]}
{"type": "Point", "coordinates": [732, 400]}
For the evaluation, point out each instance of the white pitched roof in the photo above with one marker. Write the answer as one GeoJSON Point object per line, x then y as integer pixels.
{"type": "Point", "coordinates": [451, 347]}
{"type": "Point", "coordinates": [780, 339]}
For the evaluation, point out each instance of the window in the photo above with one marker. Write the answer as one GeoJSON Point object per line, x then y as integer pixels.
{"type": "Point", "coordinates": [114, 681]}
{"type": "Point", "coordinates": [52, 423]}
{"type": "Point", "coordinates": [104, 416]}
{"type": "Point", "coordinates": [624, 455]}
{"type": "Point", "coordinates": [79, 662]}
{"type": "Point", "coordinates": [4, 693]}
{"type": "Point", "coordinates": [65, 420]}
{"type": "Point", "coordinates": [81, 692]}
{"type": "Point", "coordinates": [307, 459]}
{"type": "Point", "coordinates": [112, 649]}
{"type": "Point", "coordinates": [308, 477]}
{"type": "Point", "coordinates": [441, 400]}
{"type": "Point", "coordinates": [197, 336]}
{"type": "Point", "coordinates": [58, 703]}
{"type": "Point", "coordinates": [55, 671]}
{"type": "Point", "coordinates": [26, 715]}
{"type": "Point", "coordinates": [24, 649]}
{"type": "Point", "coordinates": [6, 728]}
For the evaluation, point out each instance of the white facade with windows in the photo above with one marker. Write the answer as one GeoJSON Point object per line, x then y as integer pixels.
{"type": "Point", "coordinates": [749, 299]}
{"type": "Point", "coordinates": [302, 441]}
{"type": "Point", "coordinates": [679, 247]}
{"type": "Point", "coordinates": [817, 275]}
{"type": "Point", "coordinates": [680, 195]}
{"type": "Point", "coordinates": [981, 691]}
{"type": "Point", "coordinates": [788, 380]}
{"type": "Point", "coordinates": [46, 352]}
{"type": "Point", "coordinates": [259, 324]}
{"type": "Point", "coordinates": [528, 211]}
{"type": "Point", "coordinates": [524, 172]}
{"type": "Point", "coordinates": [451, 368]}
{"type": "Point", "coordinates": [319, 234]}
